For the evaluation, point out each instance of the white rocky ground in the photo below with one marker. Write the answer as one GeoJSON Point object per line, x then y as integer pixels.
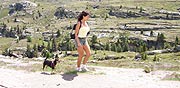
{"type": "Point", "coordinates": [102, 77]}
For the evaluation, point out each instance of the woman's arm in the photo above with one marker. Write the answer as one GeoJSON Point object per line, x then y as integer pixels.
{"type": "Point", "coordinates": [76, 32]}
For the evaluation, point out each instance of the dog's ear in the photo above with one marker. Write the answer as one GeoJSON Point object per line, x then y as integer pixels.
{"type": "Point", "coordinates": [56, 59]}
{"type": "Point", "coordinates": [56, 56]}
{"type": "Point", "coordinates": [59, 61]}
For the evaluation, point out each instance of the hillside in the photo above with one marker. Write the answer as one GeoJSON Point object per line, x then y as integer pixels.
{"type": "Point", "coordinates": [143, 34]}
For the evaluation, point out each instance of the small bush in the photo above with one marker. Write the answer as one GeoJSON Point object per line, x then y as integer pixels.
{"type": "Point", "coordinates": [156, 58]}
{"type": "Point", "coordinates": [144, 56]}
{"type": "Point", "coordinates": [147, 69]}
{"type": "Point", "coordinates": [174, 76]}
{"type": "Point", "coordinates": [29, 39]}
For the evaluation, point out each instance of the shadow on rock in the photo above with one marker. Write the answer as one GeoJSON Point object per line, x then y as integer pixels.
{"type": "Point", "coordinates": [69, 76]}
{"type": "Point", "coordinates": [45, 73]}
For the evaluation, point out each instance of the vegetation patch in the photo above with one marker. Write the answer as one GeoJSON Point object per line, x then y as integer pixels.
{"type": "Point", "coordinates": [174, 77]}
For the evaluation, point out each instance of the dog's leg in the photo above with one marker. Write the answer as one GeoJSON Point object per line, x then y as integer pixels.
{"type": "Point", "coordinates": [52, 72]}
{"type": "Point", "coordinates": [43, 66]}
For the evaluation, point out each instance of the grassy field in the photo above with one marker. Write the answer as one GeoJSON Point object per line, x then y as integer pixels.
{"type": "Point", "coordinates": [3, 13]}
{"type": "Point", "coordinates": [167, 62]}
{"type": "Point", "coordinates": [5, 43]}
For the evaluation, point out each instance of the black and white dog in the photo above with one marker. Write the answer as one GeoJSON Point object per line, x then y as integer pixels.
{"type": "Point", "coordinates": [49, 63]}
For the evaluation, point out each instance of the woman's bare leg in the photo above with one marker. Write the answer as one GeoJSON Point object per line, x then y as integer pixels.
{"type": "Point", "coordinates": [88, 53]}
{"type": "Point", "coordinates": [81, 54]}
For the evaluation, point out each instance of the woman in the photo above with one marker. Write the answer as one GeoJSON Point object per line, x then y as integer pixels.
{"type": "Point", "coordinates": [81, 32]}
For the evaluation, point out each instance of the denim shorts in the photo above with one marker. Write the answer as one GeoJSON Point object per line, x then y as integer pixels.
{"type": "Point", "coordinates": [83, 41]}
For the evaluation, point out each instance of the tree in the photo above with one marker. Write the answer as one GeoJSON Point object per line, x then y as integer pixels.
{"type": "Point", "coordinates": [48, 54]}
{"type": "Point", "coordinates": [113, 47]}
{"type": "Point", "coordinates": [144, 56]}
{"type": "Point", "coordinates": [29, 52]}
{"type": "Point", "coordinates": [71, 46]}
{"type": "Point", "coordinates": [35, 51]}
{"type": "Point", "coordinates": [176, 41]}
{"type": "Point", "coordinates": [167, 45]}
{"type": "Point", "coordinates": [24, 27]}
{"type": "Point", "coordinates": [129, 13]}
{"type": "Point", "coordinates": [18, 30]}
{"type": "Point", "coordinates": [107, 47]}
{"type": "Point", "coordinates": [144, 47]}
{"type": "Point", "coordinates": [126, 47]}
{"type": "Point", "coordinates": [167, 16]}
{"type": "Point", "coordinates": [120, 6]}
{"type": "Point", "coordinates": [8, 20]}
{"type": "Point", "coordinates": [65, 53]}
{"type": "Point", "coordinates": [59, 46]}
{"type": "Point", "coordinates": [119, 48]}
{"type": "Point", "coordinates": [106, 16]}
{"type": "Point", "coordinates": [44, 51]}
{"type": "Point", "coordinates": [94, 39]}
{"type": "Point", "coordinates": [58, 33]}
{"type": "Point", "coordinates": [39, 14]}
{"type": "Point", "coordinates": [160, 40]}
{"type": "Point", "coordinates": [4, 26]}
{"type": "Point", "coordinates": [151, 33]}
{"type": "Point", "coordinates": [141, 9]}
{"type": "Point", "coordinates": [17, 40]}
{"type": "Point", "coordinates": [125, 44]}
{"type": "Point", "coordinates": [95, 52]}
{"type": "Point", "coordinates": [162, 37]}
{"type": "Point", "coordinates": [118, 41]}
{"type": "Point", "coordinates": [15, 19]}
{"type": "Point", "coordinates": [155, 58]}
{"type": "Point", "coordinates": [49, 46]}
{"type": "Point", "coordinates": [54, 45]}
{"type": "Point", "coordinates": [142, 31]}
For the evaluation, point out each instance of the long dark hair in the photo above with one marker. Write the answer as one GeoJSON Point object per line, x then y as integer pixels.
{"type": "Point", "coordinates": [83, 13]}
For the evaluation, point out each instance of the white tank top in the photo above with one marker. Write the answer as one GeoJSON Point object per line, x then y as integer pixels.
{"type": "Point", "coordinates": [83, 31]}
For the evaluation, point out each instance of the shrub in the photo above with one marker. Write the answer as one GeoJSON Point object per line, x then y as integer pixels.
{"type": "Point", "coordinates": [147, 69]}
{"type": "Point", "coordinates": [144, 56]}
{"type": "Point", "coordinates": [29, 39]}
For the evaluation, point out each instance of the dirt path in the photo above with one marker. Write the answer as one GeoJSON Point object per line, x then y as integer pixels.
{"type": "Point", "coordinates": [102, 77]}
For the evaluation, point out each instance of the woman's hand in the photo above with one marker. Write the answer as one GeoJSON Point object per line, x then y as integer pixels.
{"type": "Point", "coordinates": [79, 44]}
